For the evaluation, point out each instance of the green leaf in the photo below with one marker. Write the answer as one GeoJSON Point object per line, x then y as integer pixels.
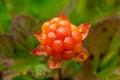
{"type": "Point", "coordinates": [113, 50]}
{"type": "Point", "coordinates": [76, 65]}
{"type": "Point", "coordinates": [41, 69]}
{"type": "Point", "coordinates": [23, 77]}
{"type": "Point", "coordinates": [1, 67]}
{"type": "Point", "coordinates": [103, 44]}
{"type": "Point", "coordinates": [23, 27]}
{"type": "Point", "coordinates": [6, 44]}
{"type": "Point", "coordinates": [110, 72]}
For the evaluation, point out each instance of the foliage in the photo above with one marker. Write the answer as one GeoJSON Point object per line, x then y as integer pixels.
{"type": "Point", "coordinates": [19, 19]}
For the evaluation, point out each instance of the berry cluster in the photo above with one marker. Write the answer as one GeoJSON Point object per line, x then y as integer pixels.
{"type": "Point", "coordinates": [60, 38]}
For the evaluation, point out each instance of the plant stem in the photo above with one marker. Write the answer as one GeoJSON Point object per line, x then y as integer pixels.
{"type": "Point", "coordinates": [60, 74]}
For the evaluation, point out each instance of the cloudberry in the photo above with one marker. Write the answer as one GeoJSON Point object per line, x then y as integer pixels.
{"type": "Point", "coordinates": [44, 26]}
{"type": "Point", "coordinates": [58, 46]}
{"type": "Point", "coordinates": [51, 28]}
{"type": "Point", "coordinates": [61, 40]}
{"type": "Point", "coordinates": [50, 38]}
{"type": "Point", "coordinates": [68, 54]}
{"type": "Point", "coordinates": [76, 36]}
{"type": "Point", "coordinates": [63, 32]}
{"type": "Point", "coordinates": [68, 43]}
{"type": "Point", "coordinates": [49, 50]}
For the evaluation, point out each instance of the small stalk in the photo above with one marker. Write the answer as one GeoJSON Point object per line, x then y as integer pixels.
{"type": "Point", "coordinates": [60, 74]}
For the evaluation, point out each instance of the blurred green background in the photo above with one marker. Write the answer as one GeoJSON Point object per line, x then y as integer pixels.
{"type": "Point", "coordinates": [19, 19]}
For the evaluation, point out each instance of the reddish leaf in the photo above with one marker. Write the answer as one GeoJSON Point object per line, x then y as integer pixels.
{"type": "Point", "coordinates": [81, 56]}
{"type": "Point", "coordinates": [84, 29]}
{"type": "Point", "coordinates": [54, 64]}
{"type": "Point", "coordinates": [39, 51]}
{"type": "Point", "coordinates": [37, 35]}
{"type": "Point", "coordinates": [63, 16]}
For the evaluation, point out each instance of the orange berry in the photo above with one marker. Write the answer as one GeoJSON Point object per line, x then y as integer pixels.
{"type": "Point", "coordinates": [49, 50]}
{"type": "Point", "coordinates": [63, 32]}
{"type": "Point", "coordinates": [54, 20]}
{"type": "Point", "coordinates": [68, 43]}
{"type": "Point", "coordinates": [51, 28]}
{"type": "Point", "coordinates": [51, 36]}
{"type": "Point", "coordinates": [76, 36]}
{"type": "Point", "coordinates": [77, 48]}
{"type": "Point", "coordinates": [57, 56]}
{"type": "Point", "coordinates": [68, 55]}
{"type": "Point", "coordinates": [44, 26]}
{"type": "Point", "coordinates": [58, 46]}
{"type": "Point", "coordinates": [64, 23]}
